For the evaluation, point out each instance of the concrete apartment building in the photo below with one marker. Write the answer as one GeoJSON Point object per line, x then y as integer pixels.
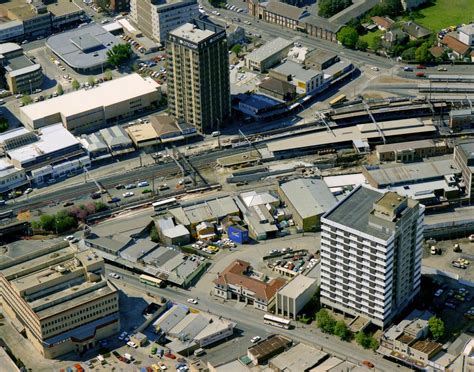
{"type": "Point", "coordinates": [60, 298]}
{"type": "Point", "coordinates": [18, 72]}
{"type": "Point", "coordinates": [85, 111]}
{"type": "Point", "coordinates": [198, 75]}
{"type": "Point", "coordinates": [293, 297]}
{"type": "Point", "coordinates": [156, 18]}
{"type": "Point", "coordinates": [371, 248]}
{"type": "Point", "coordinates": [464, 159]}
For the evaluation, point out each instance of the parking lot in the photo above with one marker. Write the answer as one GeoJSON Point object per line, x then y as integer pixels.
{"type": "Point", "coordinates": [444, 259]}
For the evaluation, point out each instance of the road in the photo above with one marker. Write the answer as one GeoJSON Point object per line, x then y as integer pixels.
{"type": "Point", "coordinates": [273, 31]}
{"type": "Point", "coordinates": [109, 181]}
{"type": "Point", "coordinates": [306, 335]}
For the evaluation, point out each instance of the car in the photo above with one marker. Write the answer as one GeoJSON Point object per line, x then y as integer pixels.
{"type": "Point", "coordinates": [115, 199]}
{"type": "Point", "coordinates": [18, 96]}
{"type": "Point", "coordinates": [132, 344]}
{"type": "Point", "coordinates": [170, 355]}
{"type": "Point", "coordinates": [450, 305]}
{"type": "Point", "coordinates": [192, 301]}
{"type": "Point", "coordinates": [119, 186]}
{"type": "Point", "coordinates": [142, 184]}
{"type": "Point", "coordinates": [96, 195]}
{"type": "Point", "coordinates": [28, 190]}
{"type": "Point", "coordinates": [408, 69]}
{"type": "Point", "coordinates": [69, 238]}
{"type": "Point", "coordinates": [420, 67]}
{"type": "Point", "coordinates": [374, 68]}
{"type": "Point", "coordinates": [38, 90]}
{"type": "Point", "coordinates": [68, 204]}
{"type": "Point", "coordinates": [441, 68]}
{"type": "Point", "coordinates": [115, 276]}
{"type": "Point", "coordinates": [368, 364]}
{"type": "Point", "coordinates": [130, 186]}
{"type": "Point", "coordinates": [255, 339]}
{"type": "Point", "coordinates": [128, 194]}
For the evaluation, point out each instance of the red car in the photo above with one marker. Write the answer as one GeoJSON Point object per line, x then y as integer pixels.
{"type": "Point", "coordinates": [368, 364]}
{"type": "Point", "coordinates": [420, 74]}
{"type": "Point", "coordinates": [171, 356]}
{"type": "Point", "coordinates": [420, 67]}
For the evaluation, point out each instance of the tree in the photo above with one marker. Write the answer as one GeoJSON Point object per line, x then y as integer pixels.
{"type": "Point", "coordinates": [375, 44]}
{"type": "Point", "coordinates": [423, 54]}
{"type": "Point", "coordinates": [104, 5]}
{"type": "Point", "coordinates": [119, 54]}
{"type": "Point", "coordinates": [436, 327]}
{"type": "Point", "coordinates": [374, 344]}
{"type": "Point", "coordinates": [108, 75]}
{"type": "Point", "coordinates": [64, 221]}
{"type": "Point", "coordinates": [26, 99]}
{"type": "Point", "coordinates": [100, 207]}
{"type": "Point", "coordinates": [363, 340]}
{"type": "Point", "coordinates": [3, 125]}
{"type": "Point", "coordinates": [154, 235]}
{"type": "Point", "coordinates": [91, 81]}
{"type": "Point", "coordinates": [327, 8]}
{"type": "Point", "coordinates": [341, 330]}
{"type": "Point", "coordinates": [348, 36]}
{"type": "Point", "coordinates": [60, 90]}
{"type": "Point", "coordinates": [75, 84]}
{"type": "Point", "coordinates": [409, 54]}
{"type": "Point", "coordinates": [325, 321]}
{"type": "Point", "coordinates": [362, 45]}
{"type": "Point", "coordinates": [47, 222]}
{"type": "Point", "coordinates": [236, 49]}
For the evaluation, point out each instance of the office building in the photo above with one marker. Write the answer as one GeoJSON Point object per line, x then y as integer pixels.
{"type": "Point", "coordinates": [464, 158]}
{"type": "Point", "coordinates": [156, 18]}
{"type": "Point", "coordinates": [60, 299]}
{"type": "Point", "coordinates": [85, 111]}
{"type": "Point", "coordinates": [371, 248]}
{"type": "Point", "coordinates": [294, 296]}
{"type": "Point", "coordinates": [198, 76]}
{"type": "Point", "coordinates": [20, 74]}
{"type": "Point", "coordinates": [268, 55]}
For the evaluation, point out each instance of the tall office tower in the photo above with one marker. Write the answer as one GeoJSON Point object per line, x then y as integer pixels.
{"type": "Point", "coordinates": [371, 248]}
{"type": "Point", "coordinates": [198, 75]}
{"type": "Point", "coordinates": [155, 18]}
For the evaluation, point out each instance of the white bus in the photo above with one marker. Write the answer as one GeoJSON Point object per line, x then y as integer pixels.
{"type": "Point", "coordinates": [163, 204]}
{"type": "Point", "coordinates": [276, 321]}
{"type": "Point", "coordinates": [150, 280]}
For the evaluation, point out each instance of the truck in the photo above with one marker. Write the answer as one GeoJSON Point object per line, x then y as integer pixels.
{"type": "Point", "coordinates": [128, 357]}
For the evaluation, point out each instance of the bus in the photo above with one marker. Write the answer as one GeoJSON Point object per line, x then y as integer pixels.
{"type": "Point", "coordinates": [6, 214]}
{"type": "Point", "coordinates": [163, 204]}
{"type": "Point", "coordinates": [338, 100]}
{"type": "Point", "coordinates": [151, 280]}
{"type": "Point", "coordinates": [276, 321]}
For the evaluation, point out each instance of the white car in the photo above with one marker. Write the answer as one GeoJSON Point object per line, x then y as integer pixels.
{"type": "Point", "coordinates": [69, 238]}
{"type": "Point", "coordinates": [28, 190]}
{"type": "Point", "coordinates": [374, 68]}
{"type": "Point", "coordinates": [114, 275]}
{"type": "Point", "coordinates": [255, 339]}
{"type": "Point", "coordinates": [192, 301]}
{"type": "Point", "coordinates": [132, 344]}
{"type": "Point", "coordinates": [142, 184]}
{"type": "Point", "coordinates": [128, 194]}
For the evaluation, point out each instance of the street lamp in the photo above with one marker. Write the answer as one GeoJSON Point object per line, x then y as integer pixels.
{"type": "Point", "coordinates": [31, 89]}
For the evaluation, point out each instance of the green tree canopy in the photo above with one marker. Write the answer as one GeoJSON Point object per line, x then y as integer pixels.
{"type": "Point", "coordinates": [423, 54]}
{"type": "Point", "coordinates": [409, 54]}
{"type": "Point", "coordinates": [342, 330]}
{"type": "Point", "coordinates": [3, 125]}
{"type": "Point", "coordinates": [75, 84]}
{"type": "Point", "coordinates": [361, 45]}
{"type": "Point", "coordinates": [362, 339]}
{"type": "Point", "coordinates": [436, 327]}
{"type": "Point", "coordinates": [47, 222]}
{"type": "Point", "coordinates": [325, 321]}
{"type": "Point", "coordinates": [26, 99]}
{"type": "Point", "coordinates": [119, 54]}
{"type": "Point", "coordinates": [327, 8]}
{"type": "Point", "coordinates": [348, 37]}
{"type": "Point", "coordinates": [108, 75]}
{"type": "Point", "coordinates": [59, 89]}
{"type": "Point", "coordinates": [236, 49]}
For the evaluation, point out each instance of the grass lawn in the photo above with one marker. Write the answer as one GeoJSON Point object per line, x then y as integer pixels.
{"type": "Point", "coordinates": [445, 13]}
{"type": "Point", "coordinates": [371, 36]}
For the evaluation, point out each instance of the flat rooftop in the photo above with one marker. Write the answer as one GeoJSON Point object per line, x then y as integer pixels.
{"type": "Point", "coordinates": [296, 70]}
{"type": "Point", "coordinates": [354, 211]}
{"type": "Point", "coordinates": [410, 145]}
{"type": "Point", "coordinates": [83, 48]}
{"type": "Point", "coordinates": [266, 347]}
{"type": "Point", "coordinates": [190, 32]}
{"type": "Point", "coordinates": [298, 285]}
{"type": "Point", "coordinates": [299, 358]}
{"type": "Point", "coordinates": [269, 49]}
{"type": "Point", "coordinates": [62, 7]}
{"type": "Point", "coordinates": [107, 94]}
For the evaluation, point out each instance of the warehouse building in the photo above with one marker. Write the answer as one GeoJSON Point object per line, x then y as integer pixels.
{"type": "Point", "coordinates": [90, 110]}
{"type": "Point", "coordinates": [170, 233]}
{"type": "Point", "coordinates": [20, 73]}
{"type": "Point", "coordinates": [300, 358]}
{"type": "Point", "coordinates": [95, 146]}
{"type": "Point", "coordinates": [410, 151]}
{"type": "Point", "coordinates": [117, 140]}
{"type": "Point", "coordinates": [308, 199]}
{"type": "Point", "coordinates": [268, 55]}
{"type": "Point", "coordinates": [294, 296]}
{"type": "Point", "coordinates": [61, 299]}
{"type": "Point", "coordinates": [84, 49]}
{"type": "Point", "coordinates": [268, 348]}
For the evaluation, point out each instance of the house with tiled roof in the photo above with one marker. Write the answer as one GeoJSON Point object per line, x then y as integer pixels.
{"type": "Point", "coordinates": [383, 23]}
{"type": "Point", "coordinates": [458, 48]}
{"type": "Point", "coordinates": [239, 282]}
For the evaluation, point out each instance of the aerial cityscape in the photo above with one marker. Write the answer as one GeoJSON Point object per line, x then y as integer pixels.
{"type": "Point", "coordinates": [237, 185]}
